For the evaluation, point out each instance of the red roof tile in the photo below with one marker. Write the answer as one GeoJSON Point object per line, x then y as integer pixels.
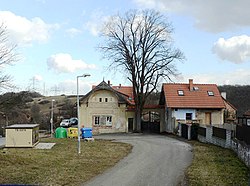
{"type": "Point", "coordinates": [192, 99]}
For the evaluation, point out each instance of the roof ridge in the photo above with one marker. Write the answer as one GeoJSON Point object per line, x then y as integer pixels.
{"type": "Point", "coordinates": [188, 84]}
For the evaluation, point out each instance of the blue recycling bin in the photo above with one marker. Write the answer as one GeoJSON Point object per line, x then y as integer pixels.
{"type": "Point", "coordinates": [86, 132]}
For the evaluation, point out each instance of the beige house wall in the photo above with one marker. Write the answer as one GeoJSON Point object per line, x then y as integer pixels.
{"type": "Point", "coordinates": [217, 116]}
{"type": "Point", "coordinates": [104, 103]}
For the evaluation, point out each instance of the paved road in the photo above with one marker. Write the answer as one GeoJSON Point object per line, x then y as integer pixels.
{"type": "Point", "coordinates": [156, 160]}
{"type": "Point", "coordinates": [2, 142]}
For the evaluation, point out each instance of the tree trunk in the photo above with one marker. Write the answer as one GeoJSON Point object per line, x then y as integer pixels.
{"type": "Point", "coordinates": [138, 113]}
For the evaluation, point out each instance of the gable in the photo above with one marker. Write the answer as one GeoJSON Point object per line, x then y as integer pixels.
{"type": "Point", "coordinates": [198, 96]}
{"type": "Point", "coordinates": [103, 96]}
{"type": "Point", "coordinates": [122, 93]}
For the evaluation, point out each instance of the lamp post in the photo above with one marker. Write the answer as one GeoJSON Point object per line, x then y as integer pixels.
{"type": "Point", "coordinates": [78, 112]}
{"type": "Point", "coordinates": [51, 120]}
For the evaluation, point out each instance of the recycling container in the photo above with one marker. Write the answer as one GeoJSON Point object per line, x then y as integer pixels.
{"type": "Point", "coordinates": [61, 132]}
{"type": "Point", "coordinates": [72, 132]}
{"type": "Point", "coordinates": [86, 132]}
{"type": "Point", "coordinates": [22, 135]}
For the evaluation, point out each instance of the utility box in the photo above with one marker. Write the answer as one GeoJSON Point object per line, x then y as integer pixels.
{"type": "Point", "coordinates": [22, 135]}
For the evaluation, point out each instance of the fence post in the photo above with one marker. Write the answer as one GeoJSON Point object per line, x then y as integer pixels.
{"type": "Point", "coordinates": [179, 124]}
{"type": "Point", "coordinates": [189, 131]}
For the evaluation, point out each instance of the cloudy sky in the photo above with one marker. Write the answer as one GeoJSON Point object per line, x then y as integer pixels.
{"type": "Point", "coordinates": [57, 41]}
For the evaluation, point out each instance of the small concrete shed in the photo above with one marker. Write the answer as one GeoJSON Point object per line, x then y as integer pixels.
{"type": "Point", "coordinates": [22, 135]}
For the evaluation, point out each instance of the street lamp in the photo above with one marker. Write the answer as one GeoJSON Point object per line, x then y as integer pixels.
{"type": "Point", "coordinates": [51, 120]}
{"type": "Point", "coordinates": [78, 112]}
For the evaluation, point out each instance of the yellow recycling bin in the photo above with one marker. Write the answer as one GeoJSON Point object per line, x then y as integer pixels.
{"type": "Point", "coordinates": [72, 132]}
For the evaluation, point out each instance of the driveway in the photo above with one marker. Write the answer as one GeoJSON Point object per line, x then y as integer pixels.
{"type": "Point", "coordinates": [156, 160]}
{"type": "Point", "coordinates": [2, 142]}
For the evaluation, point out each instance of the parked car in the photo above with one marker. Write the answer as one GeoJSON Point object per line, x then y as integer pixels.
{"type": "Point", "coordinates": [65, 123]}
{"type": "Point", "coordinates": [73, 121]}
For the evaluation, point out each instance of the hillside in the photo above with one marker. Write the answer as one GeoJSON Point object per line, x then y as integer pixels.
{"type": "Point", "coordinates": [31, 107]}
{"type": "Point", "coordinates": [239, 96]}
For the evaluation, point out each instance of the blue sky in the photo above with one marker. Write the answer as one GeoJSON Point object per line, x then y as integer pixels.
{"type": "Point", "coordinates": [57, 41]}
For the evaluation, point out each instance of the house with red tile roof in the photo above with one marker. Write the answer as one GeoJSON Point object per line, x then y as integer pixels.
{"type": "Point", "coordinates": [191, 103]}
{"type": "Point", "coordinates": [107, 108]}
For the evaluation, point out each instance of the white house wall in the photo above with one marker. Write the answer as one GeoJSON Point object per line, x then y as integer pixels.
{"type": "Point", "coordinates": [181, 113]}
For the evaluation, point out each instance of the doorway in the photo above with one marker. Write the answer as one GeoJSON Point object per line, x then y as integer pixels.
{"type": "Point", "coordinates": [208, 118]}
{"type": "Point", "coordinates": [130, 124]}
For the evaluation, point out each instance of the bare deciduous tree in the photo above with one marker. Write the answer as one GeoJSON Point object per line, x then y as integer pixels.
{"type": "Point", "coordinates": [8, 56]}
{"type": "Point", "coordinates": [140, 44]}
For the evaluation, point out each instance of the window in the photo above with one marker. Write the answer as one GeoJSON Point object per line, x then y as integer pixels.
{"type": "Point", "coordinates": [210, 93]}
{"type": "Point", "coordinates": [102, 120]}
{"type": "Point", "coordinates": [195, 88]}
{"type": "Point", "coordinates": [100, 99]}
{"type": "Point", "coordinates": [180, 92]}
{"type": "Point", "coordinates": [106, 99]}
{"type": "Point", "coordinates": [188, 116]}
{"type": "Point", "coordinates": [97, 120]}
{"type": "Point", "coordinates": [109, 120]}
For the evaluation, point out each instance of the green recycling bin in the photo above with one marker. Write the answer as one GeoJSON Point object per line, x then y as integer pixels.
{"type": "Point", "coordinates": [61, 132]}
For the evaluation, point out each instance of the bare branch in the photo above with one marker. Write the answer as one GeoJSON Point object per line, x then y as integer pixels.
{"type": "Point", "coordinates": [140, 44]}
{"type": "Point", "coordinates": [8, 56]}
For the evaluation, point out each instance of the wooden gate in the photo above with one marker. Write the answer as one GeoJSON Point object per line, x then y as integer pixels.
{"type": "Point", "coordinates": [184, 131]}
{"type": "Point", "coordinates": [150, 127]}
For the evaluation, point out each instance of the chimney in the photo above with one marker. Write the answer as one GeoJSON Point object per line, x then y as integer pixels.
{"type": "Point", "coordinates": [191, 85]}
{"type": "Point", "coordinates": [120, 85]}
{"type": "Point", "coordinates": [109, 82]}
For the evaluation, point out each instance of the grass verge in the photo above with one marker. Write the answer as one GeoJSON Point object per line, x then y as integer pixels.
{"type": "Point", "coordinates": [213, 165]}
{"type": "Point", "coordinates": [60, 165]}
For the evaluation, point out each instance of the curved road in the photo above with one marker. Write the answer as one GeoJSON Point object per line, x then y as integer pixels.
{"type": "Point", "coordinates": [156, 160]}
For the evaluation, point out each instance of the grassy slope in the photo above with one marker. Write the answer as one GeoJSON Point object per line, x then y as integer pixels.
{"type": "Point", "coordinates": [61, 165]}
{"type": "Point", "coordinates": [214, 165]}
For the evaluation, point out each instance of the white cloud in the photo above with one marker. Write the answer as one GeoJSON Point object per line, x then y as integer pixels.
{"type": "Point", "coordinates": [93, 27]}
{"type": "Point", "coordinates": [73, 32]}
{"type": "Point", "coordinates": [97, 18]}
{"type": "Point", "coordinates": [236, 77]}
{"type": "Point", "coordinates": [235, 49]}
{"type": "Point", "coordinates": [68, 87]}
{"type": "Point", "coordinates": [64, 63]}
{"type": "Point", "coordinates": [211, 16]}
{"type": "Point", "coordinates": [25, 31]}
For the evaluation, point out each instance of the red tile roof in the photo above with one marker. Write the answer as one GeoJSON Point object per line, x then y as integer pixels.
{"type": "Point", "coordinates": [126, 90]}
{"type": "Point", "coordinates": [198, 98]}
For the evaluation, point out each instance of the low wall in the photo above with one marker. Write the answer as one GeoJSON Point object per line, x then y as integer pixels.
{"type": "Point", "coordinates": [219, 140]}
{"type": "Point", "coordinates": [224, 137]}
{"type": "Point", "coordinates": [242, 150]}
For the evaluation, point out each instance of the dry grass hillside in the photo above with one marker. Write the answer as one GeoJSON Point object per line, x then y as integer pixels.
{"type": "Point", "coordinates": [31, 107]}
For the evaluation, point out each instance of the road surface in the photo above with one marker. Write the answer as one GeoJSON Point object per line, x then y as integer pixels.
{"type": "Point", "coordinates": [156, 160]}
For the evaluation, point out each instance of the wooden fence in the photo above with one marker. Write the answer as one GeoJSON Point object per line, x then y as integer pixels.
{"type": "Point", "coordinates": [243, 133]}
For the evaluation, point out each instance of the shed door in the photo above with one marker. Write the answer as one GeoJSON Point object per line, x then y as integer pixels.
{"type": "Point", "coordinates": [208, 118]}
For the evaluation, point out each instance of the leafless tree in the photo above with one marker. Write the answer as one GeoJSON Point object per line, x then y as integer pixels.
{"type": "Point", "coordinates": [8, 56]}
{"type": "Point", "coordinates": [140, 44]}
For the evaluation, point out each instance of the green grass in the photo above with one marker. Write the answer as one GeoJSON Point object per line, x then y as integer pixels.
{"type": "Point", "coordinates": [61, 165]}
{"type": "Point", "coordinates": [214, 166]}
